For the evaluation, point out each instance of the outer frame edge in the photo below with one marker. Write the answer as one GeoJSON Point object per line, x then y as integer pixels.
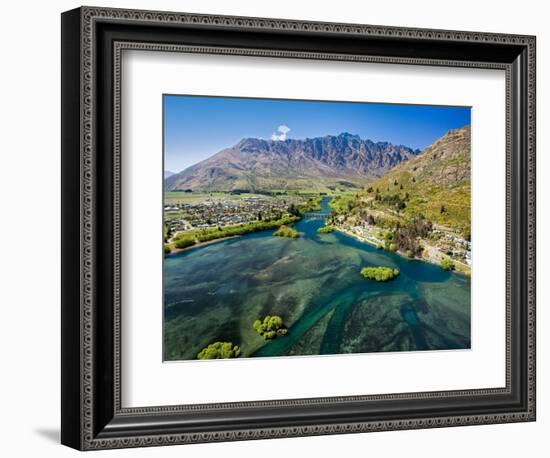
{"type": "Point", "coordinates": [89, 14]}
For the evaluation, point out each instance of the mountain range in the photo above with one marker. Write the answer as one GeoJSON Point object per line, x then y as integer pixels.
{"type": "Point", "coordinates": [326, 163]}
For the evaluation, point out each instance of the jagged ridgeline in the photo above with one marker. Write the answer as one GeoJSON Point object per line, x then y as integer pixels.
{"type": "Point", "coordinates": [322, 164]}
{"type": "Point", "coordinates": [435, 183]}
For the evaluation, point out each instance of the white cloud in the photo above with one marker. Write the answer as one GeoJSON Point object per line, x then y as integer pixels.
{"type": "Point", "coordinates": [280, 135]}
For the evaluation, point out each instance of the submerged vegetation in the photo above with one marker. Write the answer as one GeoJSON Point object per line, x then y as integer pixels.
{"type": "Point", "coordinates": [271, 327]}
{"type": "Point", "coordinates": [379, 273]}
{"type": "Point", "coordinates": [220, 350]}
{"type": "Point", "coordinates": [285, 231]}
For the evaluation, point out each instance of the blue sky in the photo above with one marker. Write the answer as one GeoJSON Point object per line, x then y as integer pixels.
{"type": "Point", "coordinates": [198, 127]}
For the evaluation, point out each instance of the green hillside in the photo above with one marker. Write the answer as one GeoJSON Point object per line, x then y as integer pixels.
{"type": "Point", "coordinates": [435, 184]}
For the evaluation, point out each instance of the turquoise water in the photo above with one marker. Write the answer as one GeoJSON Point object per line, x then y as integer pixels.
{"type": "Point", "coordinates": [215, 292]}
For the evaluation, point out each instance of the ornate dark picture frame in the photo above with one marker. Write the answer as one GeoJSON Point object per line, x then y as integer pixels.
{"type": "Point", "coordinates": [92, 42]}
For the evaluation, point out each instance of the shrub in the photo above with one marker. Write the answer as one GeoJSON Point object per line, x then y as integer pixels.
{"type": "Point", "coordinates": [325, 229]}
{"type": "Point", "coordinates": [379, 273]}
{"type": "Point", "coordinates": [167, 249]}
{"type": "Point", "coordinates": [271, 327]}
{"type": "Point", "coordinates": [184, 242]}
{"type": "Point", "coordinates": [447, 264]}
{"type": "Point", "coordinates": [410, 254]}
{"type": "Point", "coordinates": [285, 231]}
{"type": "Point", "coordinates": [220, 350]}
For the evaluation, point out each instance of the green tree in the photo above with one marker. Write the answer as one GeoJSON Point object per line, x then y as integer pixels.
{"type": "Point", "coordinates": [447, 264]}
{"type": "Point", "coordinates": [379, 273]}
{"type": "Point", "coordinates": [220, 350]}
{"type": "Point", "coordinates": [285, 231]}
{"type": "Point", "coordinates": [184, 242]}
{"type": "Point", "coordinates": [325, 229]}
{"type": "Point", "coordinates": [271, 327]}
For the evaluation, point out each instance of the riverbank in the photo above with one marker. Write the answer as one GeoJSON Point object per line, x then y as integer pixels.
{"type": "Point", "coordinates": [434, 256]}
{"type": "Point", "coordinates": [174, 250]}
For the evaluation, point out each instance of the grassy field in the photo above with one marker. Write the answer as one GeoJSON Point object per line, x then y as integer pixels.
{"type": "Point", "coordinates": [198, 197]}
{"type": "Point", "coordinates": [171, 198]}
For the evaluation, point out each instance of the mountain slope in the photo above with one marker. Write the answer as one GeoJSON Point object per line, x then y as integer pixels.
{"type": "Point", "coordinates": [320, 164]}
{"type": "Point", "coordinates": [436, 183]}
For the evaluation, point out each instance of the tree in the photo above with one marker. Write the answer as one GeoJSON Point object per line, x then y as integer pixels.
{"type": "Point", "coordinates": [271, 327]}
{"type": "Point", "coordinates": [379, 273]}
{"type": "Point", "coordinates": [220, 350]}
{"type": "Point", "coordinates": [184, 242]}
{"type": "Point", "coordinates": [285, 231]}
{"type": "Point", "coordinates": [447, 264]}
{"type": "Point", "coordinates": [442, 209]}
{"type": "Point", "coordinates": [167, 232]}
{"type": "Point", "coordinates": [325, 229]}
{"type": "Point", "coordinates": [293, 210]}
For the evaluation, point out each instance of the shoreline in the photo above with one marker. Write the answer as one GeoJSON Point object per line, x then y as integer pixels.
{"type": "Point", "coordinates": [200, 244]}
{"type": "Point", "coordinates": [465, 269]}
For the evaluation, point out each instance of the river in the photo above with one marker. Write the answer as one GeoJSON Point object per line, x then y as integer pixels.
{"type": "Point", "coordinates": [215, 292]}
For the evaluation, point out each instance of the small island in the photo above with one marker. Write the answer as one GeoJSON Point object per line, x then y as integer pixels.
{"type": "Point", "coordinates": [325, 230]}
{"type": "Point", "coordinates": [285, 231]}
{"type": "Point", "coordinates": [220, 350]}
{"type": "Point", "coordinates": [379, 273]}
{"type": "Point", "coordinates": [271, 327]}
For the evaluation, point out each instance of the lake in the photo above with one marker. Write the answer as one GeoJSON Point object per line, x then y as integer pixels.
{"type": "Point", "coordinates": [215, 292]}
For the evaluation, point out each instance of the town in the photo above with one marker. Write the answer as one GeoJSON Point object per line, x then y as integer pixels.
{"type": "Point", "coordinates": [207, 213]}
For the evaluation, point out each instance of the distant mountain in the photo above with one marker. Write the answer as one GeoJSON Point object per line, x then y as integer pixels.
{"type": "Point", "coordinates": [319, 164]}
{"type": "Point", "coordinates": [167, 174]}
{"type": "Point", "coordinates": [437, 181]}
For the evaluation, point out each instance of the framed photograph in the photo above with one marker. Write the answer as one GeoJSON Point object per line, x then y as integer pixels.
{"type": "Point", "coordinates": [277, 228]}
